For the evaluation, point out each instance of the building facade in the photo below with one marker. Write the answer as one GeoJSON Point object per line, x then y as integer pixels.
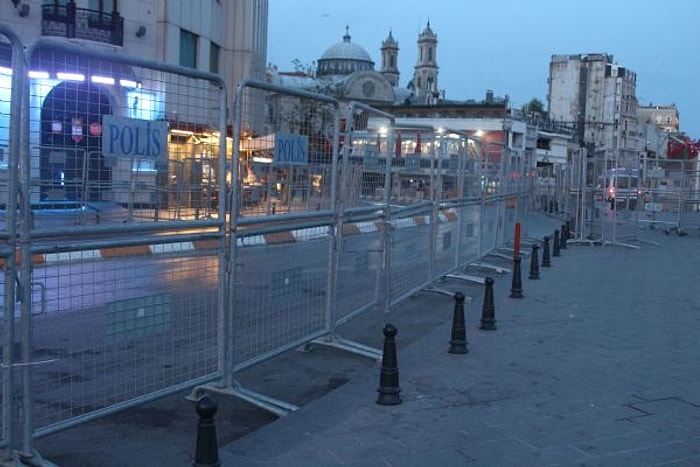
{"type": "Point", "coordinates": [598, 97]}
{"type": "Point", "coordinates": [655, 124]}
{"type": "Point", "coordinates": [71, 94]}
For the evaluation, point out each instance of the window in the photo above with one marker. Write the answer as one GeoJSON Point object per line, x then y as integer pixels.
{"type": "Point", "coordinates": [188, 49]}
{"type": "Point", "coordinates": [103, 6]}
{"type": "Point", "coordinates": [214, 52]}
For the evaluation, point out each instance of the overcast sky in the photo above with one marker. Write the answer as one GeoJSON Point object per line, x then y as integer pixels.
{"type": "Point", "coordinates": [506, 45]}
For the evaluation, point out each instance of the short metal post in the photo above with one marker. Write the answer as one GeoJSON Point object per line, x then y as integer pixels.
{"type": "Point", "coordinates": [546, 261]}
{"type": "Point", "coordinates": [207, 451]}
{"type": "Point", "coordinates": [534, 263]}
{"type": "Point", "coordinates": [458, 343]}
{"type": "Point", "coordinates": [389, 390]}
{"type": "Point", "coordinates": [488, 311]}
{"type": "Point", "coordinates": [516, 288]}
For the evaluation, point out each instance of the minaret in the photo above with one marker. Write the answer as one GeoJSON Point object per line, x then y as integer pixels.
{"type": "Point", "coordinates": [390, 58]}
{"type": "Point", "coordinates": [426, 70]}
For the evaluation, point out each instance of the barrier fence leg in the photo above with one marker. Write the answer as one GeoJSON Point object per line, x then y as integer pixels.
{"type": "Point", "coordinates": [516, 288]}
{"type": "Point", "coordinates": [488, 311]}
{"type": "Point", "coordinates": [389, 389]}
{"type": "Point", "coordinates": [534, 263]}
{"type": "Point", "coordinates": [207, 451]}
{"type": "Point", "coordinates": [458, 342]}
{"type": "Point", "coordinates": [546, 261]}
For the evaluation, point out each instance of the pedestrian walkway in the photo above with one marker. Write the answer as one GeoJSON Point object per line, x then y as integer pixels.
{"type": "Point", "coordinates": [598, 365]}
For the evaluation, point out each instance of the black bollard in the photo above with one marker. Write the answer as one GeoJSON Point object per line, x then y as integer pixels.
{"type": "Point", "coordinates": [564, 236]}
{"type": "Point", "coordinates": [546, 261]}
{"type": "Point", "coordinates": [488, 311]}
{"type": "Point", "coordinates": [534, 263]}
{"type": "Point", "coordinates": [389, 378]}
{"type": "Point", "coordinates": [207, 451]}
{"type": "Point", "coordinates": [458, 342]}
{"type": "Point", "coordinates": [516, 285]}
{"type": "Point", "coordinates": [555, 246]}
{"type": "Point", "coordinates": [568, 230]}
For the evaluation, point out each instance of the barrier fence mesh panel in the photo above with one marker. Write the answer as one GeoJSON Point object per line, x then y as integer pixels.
{"type": "Point", "coordinates": [12, 80]}
{"type": "Point", "coordinates": [690, 207]}
{"type": "Point", "coordinates": [446, 231]}
{"type": "Point", "coordinates": [286, 151]}
{"type": "Point", "coordinates": [365, 154]}
{"type": "Point", "coordinates": [364, 150]}
{"type": "Point", "coordinates": [616, 197]}
{"type": "Point", "coordinates": [282, 275]}
{"type": "Point", "coordinates": [671, 194]}
{"type": "Point", "coordinates": [409, 250]}
{"type": "Point", "coordinates": [489, 226]}
{"type": "Point", "coordinates": [120, 142]}
{"type": "Point", "coordinates": [359, 267]}
{"type": "Point", "coordinates": [469, 218]}
{"type": "Point", "coordinates": [413, 170]}
{"type": "Point", "coordinates": [109, 331]}
{"type": "Point", "coordinates": [280, 298]}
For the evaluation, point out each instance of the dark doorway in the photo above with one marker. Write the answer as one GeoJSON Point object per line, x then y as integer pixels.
{"type": "Point", "coordinates": [72, 166]}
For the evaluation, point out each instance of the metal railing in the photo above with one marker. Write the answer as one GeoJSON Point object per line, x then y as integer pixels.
{"type": "Point", "coordinates": [66, 20]}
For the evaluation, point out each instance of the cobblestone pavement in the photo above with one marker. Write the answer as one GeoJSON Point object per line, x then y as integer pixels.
{"type": "Point", "coordinates": [595, 366]}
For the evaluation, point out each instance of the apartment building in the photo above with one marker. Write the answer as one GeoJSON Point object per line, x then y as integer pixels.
{"type": "Point", "coordinates": [598, 97]}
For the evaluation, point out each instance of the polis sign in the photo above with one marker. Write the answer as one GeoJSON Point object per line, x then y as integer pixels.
{"type": "Point", "coordinates": [291, 149]}
{"type": "Point", "coordinates": [134, 138]}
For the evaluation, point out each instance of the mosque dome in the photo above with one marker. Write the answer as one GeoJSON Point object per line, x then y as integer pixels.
{"type": "Point", "coordinates": [344, 58]}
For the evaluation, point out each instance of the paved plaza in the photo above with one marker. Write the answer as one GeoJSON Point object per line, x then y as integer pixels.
{"type": "Point", "coordinates": [598, 365]}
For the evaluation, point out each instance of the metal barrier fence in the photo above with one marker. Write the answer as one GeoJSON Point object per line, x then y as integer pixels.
{"type": "Point", "coordinates": [12, 84]}
{"type": "Point", "coordinates": [113, 308]}
{"type": "Point", "coordinates": [140, 262]}
{"type": "Point", "coordinates": [281, 273]}
{"type": "Point", "coordinates": [363, 232]}
{"type": "Point", "coordinates": [614, 201]}
{"type": "Point", "coordinates": [671, 194]}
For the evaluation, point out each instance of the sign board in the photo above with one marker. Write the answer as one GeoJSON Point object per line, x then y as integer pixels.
{"type": "Point", "coordinates": [134, 138]}
{"type": "Point", "coordinates": [77, 129]}
{"type": "Point", "coordinates": [95, 129]}
{"type": "Point", "coordinates": [291, 149]}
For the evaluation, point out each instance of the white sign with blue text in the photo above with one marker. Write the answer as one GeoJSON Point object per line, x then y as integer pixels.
{"type": "Point", "coordinates": [134, 138]}
{"type": "Point", "coordinates": [291, 149]}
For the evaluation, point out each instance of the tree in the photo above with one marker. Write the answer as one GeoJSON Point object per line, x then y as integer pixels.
{"type": "Point", "coordinates": [536, 107]}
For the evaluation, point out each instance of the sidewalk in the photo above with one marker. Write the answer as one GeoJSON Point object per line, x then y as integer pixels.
{"type": "Point", "coordinates": [596, 366]}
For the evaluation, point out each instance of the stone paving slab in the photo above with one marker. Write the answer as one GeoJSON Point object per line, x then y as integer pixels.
{"type": "Point", "coordinates": [596, 366]}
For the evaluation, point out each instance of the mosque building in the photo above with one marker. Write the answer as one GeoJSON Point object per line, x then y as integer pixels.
{"type": "Point", "coordinates": [346, 70]}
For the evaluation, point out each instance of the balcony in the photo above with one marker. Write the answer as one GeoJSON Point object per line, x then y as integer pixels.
{"type": "Point", "coordinates": [80, 23]}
